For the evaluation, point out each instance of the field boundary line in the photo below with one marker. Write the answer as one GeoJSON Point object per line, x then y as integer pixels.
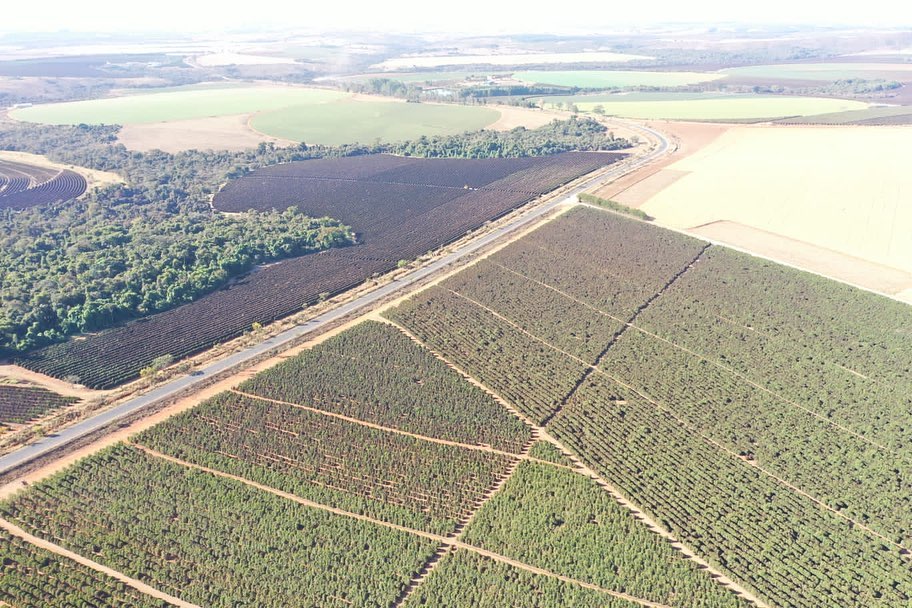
{"type": "Point", "coordinates": [788, 485]}
{"type": "Point", "coordinates": [66, 553]}
{"type": "Point", "coordinates": [559, 292]}
{"type": "Point", "coordinates": [442, 540]}
{"type": "Point", "coordinates": [463, 523]}
{"type": "Point", "coordinates": [620, 332]}
{"type": "Point", "coordinates": [580, 468]}
{"type": "Point", "coordinates": [378, 427]}
{"type": "Point", "coordinates": [496, 487]}
{"type": "Point", "coordinates": [468, 378]}
{"type": "Point", "coordinates": [716, 364]}
{"type": "Point", "coordinates": [426, 570]}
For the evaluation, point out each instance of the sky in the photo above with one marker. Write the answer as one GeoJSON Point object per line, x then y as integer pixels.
{"type": "Point", "coordinates": [463, 16]}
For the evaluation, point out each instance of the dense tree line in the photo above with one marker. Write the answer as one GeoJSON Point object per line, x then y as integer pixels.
{"type": "Point", "coordinates": [613, 206]}
{"type": "Point", "coordinates": [153, 243]}
{"type": "Point", "coordinates": [389, 87]}
{"type": "Point", "coordinates": [559, 136]}
{"type": "Point", "coordinates": [89, 264]}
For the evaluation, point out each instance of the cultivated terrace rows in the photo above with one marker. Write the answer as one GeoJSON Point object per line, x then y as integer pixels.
{"type": "Point", "coordinates": [23, 185]}
{"type": "Point", "coordinates": [20, 404]}
{"type": "Point", "coordinates": [367, 471]}
{"type": "Point", "coordinates": [363, 472]}
{"type": "Point", "coordinates": [759, 414]}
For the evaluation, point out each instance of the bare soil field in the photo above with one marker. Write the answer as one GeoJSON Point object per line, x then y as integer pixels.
{"type": "Point", "coordinates": [804, 255]}
{"type": "Point", "coordinates": [22, 375]}
{"type": "Point", "coordinates": [638, 187]}
{"type": "Point", "coordinates": [512, 117]}
{"type": "Point", "coordinates": [840, 190]}
{"type": "Point", "coordinates": [213, 133]}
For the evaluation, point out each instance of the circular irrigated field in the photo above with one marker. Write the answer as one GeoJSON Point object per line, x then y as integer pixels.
{"type": "Point", "coordinates": [179, 104]}
{"type": "Point", "coordinates": [369, 121]}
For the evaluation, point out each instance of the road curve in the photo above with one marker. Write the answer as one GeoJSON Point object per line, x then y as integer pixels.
{"type": "Point", "coordinates": [47, 444]}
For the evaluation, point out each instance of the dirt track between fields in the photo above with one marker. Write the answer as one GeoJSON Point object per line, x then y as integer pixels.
{"type": "Point", "coordinates": [580, 467]}
{"type": "Point", "coordinates": [14, 372]}
{"type": "Point", "coordinates": [443, 540]}
{"type": "Point", "coordinates": [66, 553]}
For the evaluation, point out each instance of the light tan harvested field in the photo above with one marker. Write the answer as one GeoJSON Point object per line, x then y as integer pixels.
{"type": "Point", "coordinates": [804, 255]}
{"type": "Point", "coordinates": [213, 133]}
{"type": "Point", "coordinates": [835, 193]}
{"type": "Point", "coordinates": [512, 117]}
{"type": "Point", "coordinates": [638, 187]}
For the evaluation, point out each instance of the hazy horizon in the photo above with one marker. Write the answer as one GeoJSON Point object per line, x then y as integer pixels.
{"type": "Point", "coordinates": [411, 16]}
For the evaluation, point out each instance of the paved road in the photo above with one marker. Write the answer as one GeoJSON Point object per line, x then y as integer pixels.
{"type": "Point", "coordinates": [52, 442]}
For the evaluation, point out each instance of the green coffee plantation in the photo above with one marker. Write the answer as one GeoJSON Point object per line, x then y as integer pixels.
{"type": "Point", "coordinates": [601, 414]}
{"type": "Point", "coordinates": [375, 373]}
{"type": "Point", "coordinates": [543, 510]}
{"type": "Point", "coordinates": [30, 576]}
{"type": "Point", "coordinates": [392, 477]}
{"type": "Point", "coordinates": [759, 414]}
{"type": "Point", "coordinates": [213, 541]}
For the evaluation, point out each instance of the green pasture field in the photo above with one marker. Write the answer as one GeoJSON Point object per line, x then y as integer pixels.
{"type": "Point", "coordinates": [615, 78]}
{"type": "Point", "coordinates": [367, 121]}
{"type": "Point", "coordinates": [175, 105]}
{"type": "Point", "coordinates": [420, 76]}
{"type": "Point", "coordinates": [199, 86]}
{"type": "Point", "coordinates": [826, 72]}
{"type": "Point", "coordinates": [696, 106]}
{"type": "Point", "coordinates": [873, 115]}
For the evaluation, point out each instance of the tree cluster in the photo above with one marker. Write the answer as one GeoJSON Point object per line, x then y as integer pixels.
{"type": "Point", "coordinates": [129, 250]}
